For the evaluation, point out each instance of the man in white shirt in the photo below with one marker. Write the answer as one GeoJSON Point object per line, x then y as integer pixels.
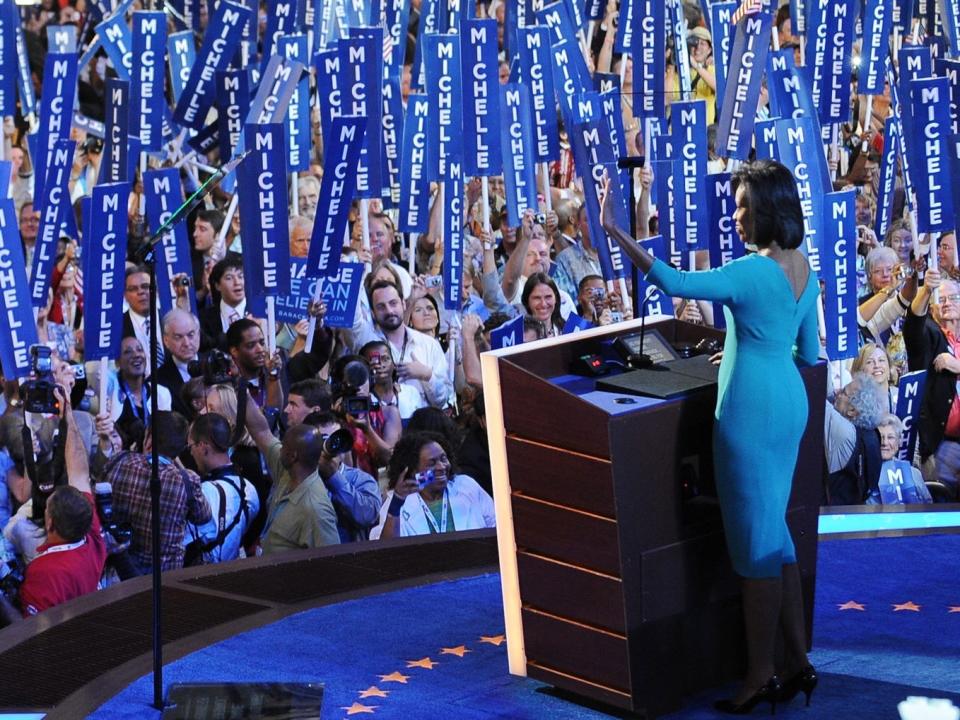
{"type": "Point", "coordinates": [419, 359]}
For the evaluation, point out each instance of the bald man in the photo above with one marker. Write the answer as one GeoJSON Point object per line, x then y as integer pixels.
{"type": "Point", "coordinates": [300, 513]}
{"type": "Point", "coordinates": [181, 338]}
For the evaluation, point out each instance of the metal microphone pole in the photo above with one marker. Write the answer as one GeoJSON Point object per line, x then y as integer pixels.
{"type": "Point", "coordinates": [631, 164]}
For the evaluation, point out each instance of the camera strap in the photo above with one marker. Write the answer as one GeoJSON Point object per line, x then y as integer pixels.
{"type": "Point", "coordinates": [242, 511]}
{"type": "Point", "coordinates": [144, 400]}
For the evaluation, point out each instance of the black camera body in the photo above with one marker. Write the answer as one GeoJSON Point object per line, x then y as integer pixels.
{"type": "Point", "coordinates": [11, 578]}
{"type": "Point", "coordinates": [38, 395]}
{"type": "Point", "coordinates": [122, 533]}
{"type": "Point", "coordinates": [215, 367]}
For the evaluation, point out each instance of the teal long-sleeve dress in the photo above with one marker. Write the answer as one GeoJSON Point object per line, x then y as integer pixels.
{"type": "Point", "coordinates": [761, 401]}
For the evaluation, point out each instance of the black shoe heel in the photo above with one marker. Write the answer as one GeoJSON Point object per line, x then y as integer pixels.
{"type": "Point", "coordinates": [804, 681]}
{"type": "Point", "coordinates": [770, 693]}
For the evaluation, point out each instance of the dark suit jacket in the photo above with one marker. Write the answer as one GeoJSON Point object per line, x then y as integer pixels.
{"type": "Point", "coordinates": [169, 376]}
{"type": "Point", "coordinates": [128, 326]}
{"type": "Point", "coordinates": [211, 329]}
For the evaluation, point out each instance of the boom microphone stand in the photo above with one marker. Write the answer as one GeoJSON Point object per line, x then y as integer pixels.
{"type": "Point", "coordinates": [146, 255]}
{"type": "Point", "coordinates": [632, 163]}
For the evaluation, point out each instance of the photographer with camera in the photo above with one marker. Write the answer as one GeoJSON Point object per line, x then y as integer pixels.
{"type": "Point", "coordinates": [69, 563]}
{"type": "Point", "coordinates": [233, 500]}
{"type": "Point", "coordinates": [181, 497]}
{"type": "Point", "coordinates": [299, 513]}
{"type": "Point", "coordinates": [375, 427]}
{"type": "Point", "coordinates": [426, 495]}
{"type": "Point", "coordinates": [355, 493]}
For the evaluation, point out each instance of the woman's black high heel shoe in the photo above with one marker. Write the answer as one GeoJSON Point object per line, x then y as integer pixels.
{"type": "Point", "coordinates": [770, 693]}
{"type": "Point", "coordinates": [804, 681]}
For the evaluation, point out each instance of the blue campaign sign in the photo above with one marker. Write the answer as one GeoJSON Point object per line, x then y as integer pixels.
{"type": "Point", "coordinates": [391, 124]}
{"type": "Point", "coordinates": [668, 177]}
{"type": "Point", "coordinates": [909, 398]}
{"type": "Point", "coordinates": [117, 40]}
{"type": "Point", "coordinates": [62, 38]}
{"type": "Point", "coordinates": [330, 92]}
{"type": "Point", "coordinates": [766, 139]}
{"type": "Point", "coordinates": [930, 110]}
{"type": "Point", "coordinates": [441, 60]}
{"type": "Point", "coordinates": [453, 236]}
{"type": "Point", "coordinates": [576, 323]}
{"type": "Point", "coordinates": [183, 55]}
{"type": "Point", "coordinates": [914, 62]}
{"type": "Point", "coordinates": [6, 168]}
{"type": "Point", "coordinates": [557, 18]}
{"type": "Point", "coordinates": [570, 76]}
{"type": "Point", "coordinates": [832, 93]}
{"type": "Point", "coordinates": [414, 177]}
{"type": "Point", "coordinates": [278, 84]}
{"type": "Point", "coordinates": [396, 18]}
{"type": "Point", "coordinates": [28, 100]}
{"type": "Point", "coordinates": [798, 144]}
{"type": "Point", "coordinates": [219, 45]}
{"type": "Point", "coordinates": [293, 308]}
{"type": "Point", "coordinates": [610, 104]}
{"type": "Point", "coordinates": [337, 188]}
{"type": "Point", "coordinates": [649, 60]}
{"type": "Point", "coordinates": [508, 334]}
{"type": "Point", "coordinates": [294, 47]}
{"type": "Point", "coordinates": [747, 61]}
{"type": "Point", "coordinates": [340, 293]}
{"type": "Point", "coordinates": [113, 164]}
{"type": "Point", "coordinates": [536, 72]}
{"type": "Point", "coordinates": [950, 14]}
{"type": "Point", "coordinates": [18, 331]}
{"type": "Point", "coordinates": [839, 255]}
{"type": "Point", "coordinates": [361, 80]}
{"type": "Point", "coordinates": [262, 190]}
{"type": "Point", "coordinates": [516, 144]}
{"type": "Point", "coordinates": [901, 115]}
{"type": "Point", "coordinates": [790, 95]}
{"type": "Point", "coordinates": [950, 69]}
{"type": "Point", "coordinates": [429, 24]}
{"type": "Point", "coordinates": [903, 15]}
{"type": "Point", "coordinates": [56, 111]}
{"type": "Point", "coordinates": [103, 271]}
{"type": "Point", "coordinates": [799, 11]}
{"type": "Point", "coordinates": [233, 97]}
{"type": "Point", "coordinates": [626, 24]}
{"type": "Point", "coordinates": [8, 60]}
{"type": "Point", "coordinates": [888, 177]}
{"type": "Point", "coordinates": [54, 206]}
{"type": "Point", "coordinates": [721, 29]}
{"type": "Point", "coordinates": [725, 244]}
{"type": "Point", "coordinates": [896, 483]}
{"type": "Point", "coordinates": [690, 137]}
{"type": "Point", "coordinates": [147, 88]}
{"type": "Point", "coordinates": [877, 25]}
{"type": "Point", "coordinates": [164, 194]}
{"type": "Point", "coordinates": [658, 302]}
{"type": "Point", "coordinates": [284, 17]}
{"type": "Point", "coordinates": [481, 98]}
{"type": "Point", "coordinates": [592, 156]}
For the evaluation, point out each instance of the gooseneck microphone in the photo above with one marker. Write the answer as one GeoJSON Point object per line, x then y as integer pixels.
{"type": "Point", "coordinates": [641, 359]}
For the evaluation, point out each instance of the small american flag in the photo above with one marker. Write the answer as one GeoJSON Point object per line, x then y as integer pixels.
{"type": "Point", "coordinates": [747, 7]}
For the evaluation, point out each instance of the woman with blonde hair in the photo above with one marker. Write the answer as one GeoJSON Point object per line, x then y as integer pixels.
{"type": "Point", "coordinates": [875, 362]}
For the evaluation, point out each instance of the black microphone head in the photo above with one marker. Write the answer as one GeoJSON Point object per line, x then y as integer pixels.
{"type": "Point", "coordinates": [355, 374]}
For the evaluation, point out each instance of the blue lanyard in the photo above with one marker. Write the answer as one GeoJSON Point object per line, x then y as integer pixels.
{"type": "Point", "coordinates": [127, 395]}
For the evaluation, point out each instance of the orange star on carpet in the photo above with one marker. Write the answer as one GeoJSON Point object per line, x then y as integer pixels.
{"type": "Point", "coordinates": [852, 605]}
{"type": "Point", "coordinates": [954, 609]}
{"type": "Point", "coordinates": [425, 663]}
{"type": "Point", "coordinates": [373, 691]}
{"type": "Point", "coordinates": [459, 651]}
{"type": "Point", "coordinates": [493, 639]}
{"type": "Point", "coordinates": [395, 677]}
{"type": "Point", "coordinates": [912, 607]}
{"type": "Point", "coordinates": [357, 709]}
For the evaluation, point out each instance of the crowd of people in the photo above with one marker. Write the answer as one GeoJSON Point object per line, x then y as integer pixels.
{"type": "Point", "coordinates": [378, 430]}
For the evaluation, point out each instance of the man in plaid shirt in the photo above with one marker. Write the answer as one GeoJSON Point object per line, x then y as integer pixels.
{"type": "Point", "coordinates": [181, 498]}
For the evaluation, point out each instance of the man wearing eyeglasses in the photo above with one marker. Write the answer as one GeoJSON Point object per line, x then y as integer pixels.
{"type": "Point", "coordinates": [136, 294]}
{"type": "Point", "coordinates": [29, 227]}
{"type": "Point", "coordinates": [181, 339]}
{"type": "Point", "coordinates": [935, 347]}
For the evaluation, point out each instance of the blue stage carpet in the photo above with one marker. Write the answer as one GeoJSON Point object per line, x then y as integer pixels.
{"type": "Point", "coordinates": [887, 626]}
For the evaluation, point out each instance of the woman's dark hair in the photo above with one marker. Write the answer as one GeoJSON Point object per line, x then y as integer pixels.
{"type": "Point", "coordinates": [541, 278]}
{"type": "Point", "coordinates": [406, 454]}
{"type": "Point", "coordinates": [434, 420]}
{"type": "Point", "coordinates": [193, 389]}
{"type": "Point", "coordinates": [773, 203]}
{"type": "Point", "coordinates": [436, 307]}
{"type": "Point", "coordinates": [171, 433]}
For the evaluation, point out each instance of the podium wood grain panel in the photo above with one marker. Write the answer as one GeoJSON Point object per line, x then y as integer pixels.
{"type": "Point", "coordinates": [562, 477]}
{"type": "Point", "coordinates": [577, 650]}
{"type": "Point", "coordinates": [571, 592]}
{"type": "Point", "coordinates": [573, 537]}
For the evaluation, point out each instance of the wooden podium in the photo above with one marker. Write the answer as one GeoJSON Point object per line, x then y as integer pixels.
{"type": "Point", "coordinates": [616, 582]}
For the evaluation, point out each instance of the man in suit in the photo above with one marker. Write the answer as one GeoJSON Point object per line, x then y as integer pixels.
{"type": "Point", "coordinates": [181, 338]}
{"type": "Point", "coordinates": [227, 286]}
{"type": "Point", "coordinates": [135, 320]}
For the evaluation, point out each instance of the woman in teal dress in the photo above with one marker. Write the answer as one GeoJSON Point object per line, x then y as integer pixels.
{"type": "Point", "coordinates": [770, 304]}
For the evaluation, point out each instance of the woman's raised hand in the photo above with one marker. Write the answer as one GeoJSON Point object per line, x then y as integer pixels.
{"type": "Point", "coordinates": [607, 218]}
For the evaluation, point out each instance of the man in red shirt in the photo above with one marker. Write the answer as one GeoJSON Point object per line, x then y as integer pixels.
{"type": "Point", "coordinates": [70, 562]}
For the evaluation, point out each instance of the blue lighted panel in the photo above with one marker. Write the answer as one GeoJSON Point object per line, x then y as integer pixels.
{"type": "Point", "coordinates": [583, 387]}
{"type": "Point", "coordinates": [874, 522]}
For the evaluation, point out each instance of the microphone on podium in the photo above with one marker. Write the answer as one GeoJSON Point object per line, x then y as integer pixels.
{"type": "Point", "coordinates": [641, 359]}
